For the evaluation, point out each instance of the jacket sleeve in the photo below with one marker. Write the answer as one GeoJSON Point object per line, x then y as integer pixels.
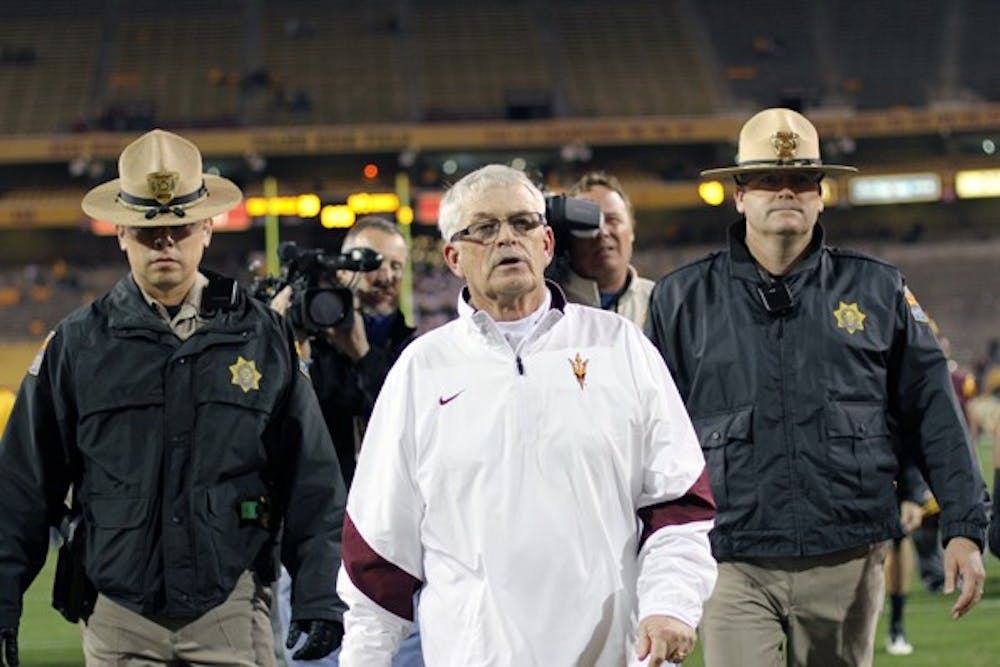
{"type": "Point", "coordinates": [994, 535]}
{"type": "Point", "coordinates": [661, 329]}
{"type": "Point", "coordinates": [676, 569]}
{"type": "Point", "coordinates": [34, 475]}
{"type": "Point", "coordinates": [910, 484]}
{"type": "Point", "coordinates": [353, 386]}
{"type": "Point", "coordinates": [382, 568]}
{"type": "Point", "coordinates": [933, 428]}
{"type": "Point", "coordinates": [312, 494]}
{"type": "Point", "coordinates": [372, 369]}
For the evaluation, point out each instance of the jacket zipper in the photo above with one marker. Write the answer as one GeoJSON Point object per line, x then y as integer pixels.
{"type": "Point", "coordinates": [520, 365]}
{"type": "Point", "coordinates": [789, 442]}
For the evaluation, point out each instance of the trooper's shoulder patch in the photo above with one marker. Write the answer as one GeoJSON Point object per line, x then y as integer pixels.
{"type": "Point", "coordinates": [918, 313]}
{"type": "Point", "coordinates": [36, 363]}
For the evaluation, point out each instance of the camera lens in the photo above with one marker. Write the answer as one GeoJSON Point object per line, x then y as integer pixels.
{"type": "Point", "coordinates": [327, 307]}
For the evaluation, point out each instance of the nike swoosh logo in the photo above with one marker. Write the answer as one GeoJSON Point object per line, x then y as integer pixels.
{"type": "Point", "coordinates": [443, 400]}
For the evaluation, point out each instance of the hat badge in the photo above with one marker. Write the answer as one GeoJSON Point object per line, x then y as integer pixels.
{"type": "Point", "coordinates": [162, 184]}
{"type": "Point", "coordinates": [785, 144]}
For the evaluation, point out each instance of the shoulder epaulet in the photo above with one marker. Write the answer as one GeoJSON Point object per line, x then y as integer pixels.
{"type": "Point", "coordinates": [692, 264]}
{"type": "Point", "coordinates": [855, 254]}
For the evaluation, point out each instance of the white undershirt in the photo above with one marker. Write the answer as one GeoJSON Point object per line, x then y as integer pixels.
{"type": "Point", "coordinates": [517, 330]}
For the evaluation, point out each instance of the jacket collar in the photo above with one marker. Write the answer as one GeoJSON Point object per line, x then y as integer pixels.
{"type": "Point", "coordinates": [482, 322]}
{"type": "Point", "coordinates": [466, 309]}
{"type": "Point", "coordinates": [744, 266]}
{"type": "Point", "coordinates": [585, 291]}
{"type": "Point", "coordinates": [129, 310]}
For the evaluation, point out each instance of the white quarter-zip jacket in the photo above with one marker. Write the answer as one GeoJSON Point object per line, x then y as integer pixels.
{"type": "Point", "coordinates": [542, 499]}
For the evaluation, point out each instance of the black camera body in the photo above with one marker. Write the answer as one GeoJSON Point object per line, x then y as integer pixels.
{"type": "Point", "coordinates": [572, 216]}
{"type": "Point", "coordinates": [317, 303]}
{"type": "Point", "coordinates": [568, 217]}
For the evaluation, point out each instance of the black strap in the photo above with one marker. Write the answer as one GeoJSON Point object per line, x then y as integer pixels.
{"type": "Point", "coordinates": [155, 208]}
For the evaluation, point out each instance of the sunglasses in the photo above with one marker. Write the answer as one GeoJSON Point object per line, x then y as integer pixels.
{"type": "Point", "coordinates": [796, 182]}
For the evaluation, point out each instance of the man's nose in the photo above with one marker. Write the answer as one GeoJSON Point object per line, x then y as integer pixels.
{"type": "Point", "coordinates": [163, 239]}
{"type": "Point", "coordinates": [506, 233]}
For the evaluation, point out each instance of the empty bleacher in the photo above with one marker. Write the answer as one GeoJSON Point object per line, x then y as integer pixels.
{"type": "Point", "coordinates": [629, 58]}
{"type": "Point", "coordinates": [165, 64]}
{"type": "Point", "coordinates": [48, 60]}
{"type": "Point", "coordinates": [472, 63]}
{"type": "Point", "coordinates": [333, 62]}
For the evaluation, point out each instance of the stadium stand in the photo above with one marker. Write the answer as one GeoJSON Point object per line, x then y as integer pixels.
{"type": "Point", "coordinates": [49, 54]}
{"type": "Point", "coordinates": [629, 58]}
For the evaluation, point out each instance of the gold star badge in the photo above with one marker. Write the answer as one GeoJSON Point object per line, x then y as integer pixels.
{"type": "Point", "coordinates": [849, 317]}
{"type": "Point", "coordinates": [579, 366]}
{"type": "Point", "coordinates": [245, 375]}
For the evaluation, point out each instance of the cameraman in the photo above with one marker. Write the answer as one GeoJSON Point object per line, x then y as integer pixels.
{"type": "Point", "coordinates": [348, 365]}
{"type": "Point", "coordinates": [600, 272]}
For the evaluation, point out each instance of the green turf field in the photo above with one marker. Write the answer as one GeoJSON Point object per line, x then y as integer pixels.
{"type": "Point", "coordinates": [974, 641]}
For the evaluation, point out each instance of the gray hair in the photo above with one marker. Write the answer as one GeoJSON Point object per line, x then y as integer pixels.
{"type": "Point", "coordinates": [456, 201]}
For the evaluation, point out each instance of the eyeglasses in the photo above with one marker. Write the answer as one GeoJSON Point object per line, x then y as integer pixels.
{"type": "Point", "coordinates": [153, 237]}
{"type": "Point", "coordinates": [774, 181]}
{"type": "Point", "coordinates": [486, 231]}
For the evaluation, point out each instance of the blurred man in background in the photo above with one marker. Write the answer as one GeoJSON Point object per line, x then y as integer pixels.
{"type": "Point", "coordinates": [348, 367]}
{"type": "Point", "coordinates": [601, 272]}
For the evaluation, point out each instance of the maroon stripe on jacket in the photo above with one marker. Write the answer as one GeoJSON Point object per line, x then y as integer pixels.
{"type": "Point", "coordinates": [385, 583]}
{"type": "Point", "coordinates": [697, 504]}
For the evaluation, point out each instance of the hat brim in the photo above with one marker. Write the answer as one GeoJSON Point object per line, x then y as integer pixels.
{"type": "Point", "coordinates": [757, 168]}
{"type": "Point", "coordinates": [101, 204]}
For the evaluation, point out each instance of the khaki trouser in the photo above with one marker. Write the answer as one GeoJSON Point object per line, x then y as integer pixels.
{"type": "Point", "coordinates": [818, 611]}
{"type": "Point", "coordinates": [236, 633]}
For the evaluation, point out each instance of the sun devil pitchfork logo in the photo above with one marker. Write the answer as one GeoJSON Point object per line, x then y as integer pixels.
{"type": "Point", "coordinates": [579, 366]}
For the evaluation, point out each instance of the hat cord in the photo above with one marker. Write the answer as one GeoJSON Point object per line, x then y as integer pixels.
{"type": "Point", "coordinates": [153, 207]}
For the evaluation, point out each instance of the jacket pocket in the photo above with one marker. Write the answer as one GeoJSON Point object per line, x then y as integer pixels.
{"type": "Point", "coordinates": [860, 457]}
{"type": "Point", "coordinates": [726, 441]}
{"type": "Point", "coordinates": [232, 542]}
{"type": "Point", "coordinates": [116, 543]}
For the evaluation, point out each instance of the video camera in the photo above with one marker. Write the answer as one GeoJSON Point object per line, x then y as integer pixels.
{"type": "Point", "coordinates": [572, 216]}
{"type": "Point", "coordinates": [569, 217]}
{"type": "Point", "coordinates": [317, 302]}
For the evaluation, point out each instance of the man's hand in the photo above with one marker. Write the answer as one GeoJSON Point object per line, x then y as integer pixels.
{"type": "Point", "coordinates": [352, 342]}
{"type": "Point", "coordinates": [8, 647]}
{"type": "Point", "coordinates": [323, 638]}
{"type": "Point", "coordinates": [962, 558]}
{"type": "Point", "coordinates": [280, 301]}
{"type": "Point", "coordinates": [664, 638]}
{"type": "Point", "coordinates": [911, 515]}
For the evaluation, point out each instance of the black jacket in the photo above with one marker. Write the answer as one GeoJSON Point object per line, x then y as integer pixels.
{"type": "Point", "coordinates": [167, 438]}
{"type": "Point", "coordinates": [347, 389]}
{"type": "Point", "coordinates": [801, 414]}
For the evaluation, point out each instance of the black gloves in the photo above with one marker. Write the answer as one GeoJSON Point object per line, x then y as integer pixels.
{"type": "Point", "coordinates": [8, 647]}
{"type": "Point", "coordinates": [324, 637]}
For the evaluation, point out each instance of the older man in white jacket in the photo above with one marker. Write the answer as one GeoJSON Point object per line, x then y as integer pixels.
{"type": "Point", "coordinates": [529, 468]}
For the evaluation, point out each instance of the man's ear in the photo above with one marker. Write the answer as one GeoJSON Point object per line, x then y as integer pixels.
{"type": "Point", "coordinates": [208, 231]}
{"type": "Point", "coordinates": [120, 232]}
{"type": "Point", "coordinates": [738, 199]}
{"type": "Point", "coordinates": [550, 244]}
{"type": "Point", "coordinates": [451, 255]}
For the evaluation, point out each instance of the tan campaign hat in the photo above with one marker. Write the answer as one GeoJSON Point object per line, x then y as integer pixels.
{"type": "Point", "coordinates": [778, 140]}
{"type": "Point", "coordinates": [161, 184]}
